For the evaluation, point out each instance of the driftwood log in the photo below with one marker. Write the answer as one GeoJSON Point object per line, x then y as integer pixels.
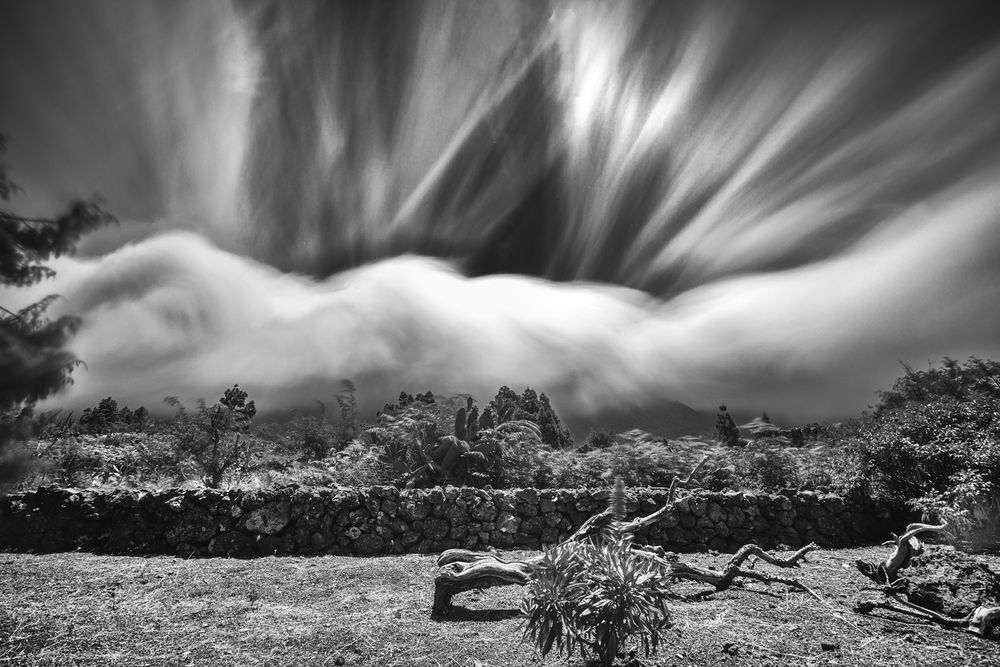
{"type": "Point", "coordinates": [983, 620]}
{"type": "Point", "coordinates": [461, 570]}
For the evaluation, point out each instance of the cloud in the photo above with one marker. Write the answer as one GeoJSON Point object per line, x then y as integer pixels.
{"type": "Point", "coordinates": [175, 315]}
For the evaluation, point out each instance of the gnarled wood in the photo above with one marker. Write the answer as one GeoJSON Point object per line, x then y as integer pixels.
{"type": "Point", "coordinates": [462, 570]}
{"type": "Point", "coordinates": [907, 546]}
{"type": "Point", "coordinates": [982, 621]}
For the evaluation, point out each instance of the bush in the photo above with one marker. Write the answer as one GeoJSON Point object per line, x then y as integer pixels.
{"type": "Point", "coordinates": [598, 439]}
{"type": "Point", "coordinates": [934, 441]}
{"type": "Point", "coordinates": [120, 459]}
{"type": "Point", "coordinates": [942, 455]}
{"type": "Point", "coordinates": [108, 418]}
{"type": "Point", "coordinates": [766, 465]}
{"type": "Point", "coordinates": [310, 437]}
{"type": "Point", "coordinates": [953, 379]}
{"type": "Point", "coordinates": [74, 459]}
{"type": "Point", "coordinates": [595, 598]}
{"type": "Point", "coordinates": [359, 464]}
{"type": "Point", "coordinates": [638, 458]}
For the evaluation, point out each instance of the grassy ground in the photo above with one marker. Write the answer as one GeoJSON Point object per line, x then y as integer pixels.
{"type": "Point", "coordinates": [81, 609]}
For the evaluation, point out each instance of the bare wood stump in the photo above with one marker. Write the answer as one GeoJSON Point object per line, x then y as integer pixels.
{"type": "Point", "coordinates": [460, 570]}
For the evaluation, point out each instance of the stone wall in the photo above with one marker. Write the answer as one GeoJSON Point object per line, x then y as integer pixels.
{"type": "Point", "coordinates": [386, 520]}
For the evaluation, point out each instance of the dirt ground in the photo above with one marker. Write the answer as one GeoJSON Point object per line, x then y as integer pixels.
{"type": "Point", "coordinates": [82, 609]}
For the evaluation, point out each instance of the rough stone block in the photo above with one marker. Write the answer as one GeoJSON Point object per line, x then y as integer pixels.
{"type": "Point", "coordinates": [436, 529]}
{"type": "Point", "coordinates": [532, 526]}
{"type": "Point", "coordinates": [268, 519]}
{"type": "Point", "coordinates": [195, 525]}
{"type": "Point", "coordinates": [508, 523]}
{"type": "Point", "coordinates": [698, 505]}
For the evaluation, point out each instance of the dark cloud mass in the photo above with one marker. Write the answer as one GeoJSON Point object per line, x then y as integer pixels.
{"type": "Point", "coordinates": [768, 204]}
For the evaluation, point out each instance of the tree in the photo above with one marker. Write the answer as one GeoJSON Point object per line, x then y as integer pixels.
{"type": "Point", "coordinates": [726, 431]}
{"type": "Point", "coordinates": [215, 437]}
{"type": "Point", "coordinates": [34, 361]}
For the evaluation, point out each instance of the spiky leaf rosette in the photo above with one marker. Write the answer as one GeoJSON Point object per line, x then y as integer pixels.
{"type": "Point", "coordinates": [595, 597]}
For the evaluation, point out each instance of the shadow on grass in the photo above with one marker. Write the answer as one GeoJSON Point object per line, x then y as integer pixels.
{"type": "Point", "coordinates": [457, 613]}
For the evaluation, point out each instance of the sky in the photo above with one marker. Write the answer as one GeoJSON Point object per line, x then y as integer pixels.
{"type": "Point", "coordinates": [624, 205]}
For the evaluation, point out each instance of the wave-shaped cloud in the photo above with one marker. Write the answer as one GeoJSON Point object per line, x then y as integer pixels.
{"type": "Point", "coordinates": [175, 315]}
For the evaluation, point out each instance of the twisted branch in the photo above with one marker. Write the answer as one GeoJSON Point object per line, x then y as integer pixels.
{"type": "Point", "coordinates": [907, 546]}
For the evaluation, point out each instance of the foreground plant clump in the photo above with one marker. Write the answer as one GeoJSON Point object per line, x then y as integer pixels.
{"type": "Point", "coordinates": [597, 590]}
{"type": "Point", "coordinates": [595, 597]}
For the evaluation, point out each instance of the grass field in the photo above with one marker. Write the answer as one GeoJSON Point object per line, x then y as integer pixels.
{"type": "Point", "coordinates": [82, 609]}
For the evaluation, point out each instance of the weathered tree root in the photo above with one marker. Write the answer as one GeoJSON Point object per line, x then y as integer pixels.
{"type": "Point", "coordinates": [907, 546]}
{"type": "Point", "coordinates": [983, 621]}
{"type": "Point", "coordinates": [462, 570]}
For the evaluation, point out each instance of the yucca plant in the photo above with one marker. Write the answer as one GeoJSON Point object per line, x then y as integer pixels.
{"type": "Point", "coordinates": [595, 597]}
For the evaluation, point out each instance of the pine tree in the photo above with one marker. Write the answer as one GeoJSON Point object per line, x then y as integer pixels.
{"type": "Point", "coordinates": [34, 361]}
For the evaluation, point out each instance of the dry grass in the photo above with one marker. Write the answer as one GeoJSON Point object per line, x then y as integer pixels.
{"type": "Point", "coordinates": [82, 609]}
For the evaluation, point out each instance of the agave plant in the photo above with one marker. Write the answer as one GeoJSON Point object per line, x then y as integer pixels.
{"type": "Point", "coordinates": [595, 597]}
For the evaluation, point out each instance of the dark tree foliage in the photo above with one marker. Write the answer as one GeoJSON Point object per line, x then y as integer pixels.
{"type": "Point", "coordinates": [934, 439]}
{"type": "Point", "coordinates": [598, 439]}
{"type": "Point", "coordinates": [952, 379]}
{"type": "Point", "coordinates": [507, 406]}
{"type": "Point", "coordinates": [108, 418]}
{"type": "Point", "coordinates": [34, 362]}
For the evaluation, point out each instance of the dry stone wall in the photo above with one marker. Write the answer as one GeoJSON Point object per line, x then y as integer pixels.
{"type": "Point", "coordinates": [386, 520]}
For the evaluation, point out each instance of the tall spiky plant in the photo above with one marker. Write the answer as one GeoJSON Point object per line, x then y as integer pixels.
{"type": "Point", "coordinates": [616, 506]}
{"type": "Point", "coordinates": [616, 503]}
